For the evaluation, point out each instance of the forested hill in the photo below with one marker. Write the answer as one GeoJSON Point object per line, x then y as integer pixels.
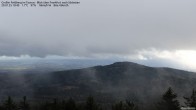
{"type": "Point", "coordinates": [121, 80]}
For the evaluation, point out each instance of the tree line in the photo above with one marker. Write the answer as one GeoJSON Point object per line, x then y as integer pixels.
{"type": "Point", "coordinates": [168, 102]}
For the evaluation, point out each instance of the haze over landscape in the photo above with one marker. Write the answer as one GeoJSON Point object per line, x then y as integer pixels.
{"type": "Point", "coordinates": [122, 53]}
{"type": "Point", "coordinates": [154, 33]}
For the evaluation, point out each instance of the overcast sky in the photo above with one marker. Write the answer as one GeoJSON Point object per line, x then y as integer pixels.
{"type": "Point", "coordinates": [153, 31]}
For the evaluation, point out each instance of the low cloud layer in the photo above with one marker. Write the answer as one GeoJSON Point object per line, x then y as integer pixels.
{"type": "Point", "coordinates": [99, 28]}
{"type": "Point", "coordinates": [179, 59]}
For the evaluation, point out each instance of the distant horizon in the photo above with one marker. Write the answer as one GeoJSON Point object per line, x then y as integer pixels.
{"type": "Point", "coordinates": [154, 33]}
{"type": "Point", "coordinates": [60, 61]}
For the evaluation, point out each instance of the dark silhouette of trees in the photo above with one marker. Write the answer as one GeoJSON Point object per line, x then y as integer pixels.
{"type": "Point", "coordinates": [91, 104]}
{"type": "Point", "coordinates": [169, 101]}
{"type": "Point", "coordinates": [54, 105]}
{"type": "Point", "coordinates": [9, 104]}
{"type": "Point", "coordinates": [44, 106]}
{"type": "Point", "coordinates": [63, 105]}
{"type": "Point", "coordinates": [191, 101]}
{"type": "Point", "coordinates": [70, 105]}
{"type": "Point", "coordinates": [128, 105]}
{"type": "Point", "coordinates": [24, 105]}
{"type": "Point", "coordinates": [118, 106]}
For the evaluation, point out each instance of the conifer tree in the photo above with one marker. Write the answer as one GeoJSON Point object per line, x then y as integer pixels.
{"type": "Point", "coordinates": [125, 106]}
{"type": "Point", "coordinates": [9, 104]}
{"type": "Point", "coordinates": [130, 106]}
{"type": "Point", "coordinates": [70, 104]}
{"type": "Point", "coordinates": [191, 101]}
{"type": "Point", "coordinates": [169, 101]}
{"type": "Point", "coordinates": [91, 104]}
{"type": "Point", "coordinates": [24, 105]}
{"type": "Point", "coordinates": [118, 106]}
{"type": "Point", "coordinates": [63, 105]}
{"type": "Point", "coordinates": [44, 106]}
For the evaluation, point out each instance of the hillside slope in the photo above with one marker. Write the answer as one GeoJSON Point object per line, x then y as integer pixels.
{"type": "Point", "coordinates": [121, 80]}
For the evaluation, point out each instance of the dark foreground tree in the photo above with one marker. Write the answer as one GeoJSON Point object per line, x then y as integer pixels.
{"type": "Point", "coordinates": [9, 104]}
{"type": "Point", "coordinates": [54, 105]}
{"type": "Point", "coordinates": [124, 106]}
{"type": "Point", "coordinates": [130, 105]}
{"type": "Point", "coordinates": [24, 105]}
{"type": "Point", "coordinates": [70, 104]}
{"type": "Point", "coordinates": [191, 101]}
{"type": "Point", "coordinates": [118, 106]}
{"type": "Point", "coordinates": [169, 101]}
{"type": "Point", "coordinates": [91, 104]}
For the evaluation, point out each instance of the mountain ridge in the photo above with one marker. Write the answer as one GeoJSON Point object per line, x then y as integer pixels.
{"type": "Point", "coordinates": [127, 63]}
{"type": "Point", "coordinates": [120, 80]}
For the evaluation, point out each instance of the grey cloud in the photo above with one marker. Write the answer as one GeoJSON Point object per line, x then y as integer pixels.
{"type": "Point", "coordinates": [98, 27]}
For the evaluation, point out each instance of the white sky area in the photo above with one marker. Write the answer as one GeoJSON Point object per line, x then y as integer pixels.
{"type": "Point", "coordinates": [151, 32]}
